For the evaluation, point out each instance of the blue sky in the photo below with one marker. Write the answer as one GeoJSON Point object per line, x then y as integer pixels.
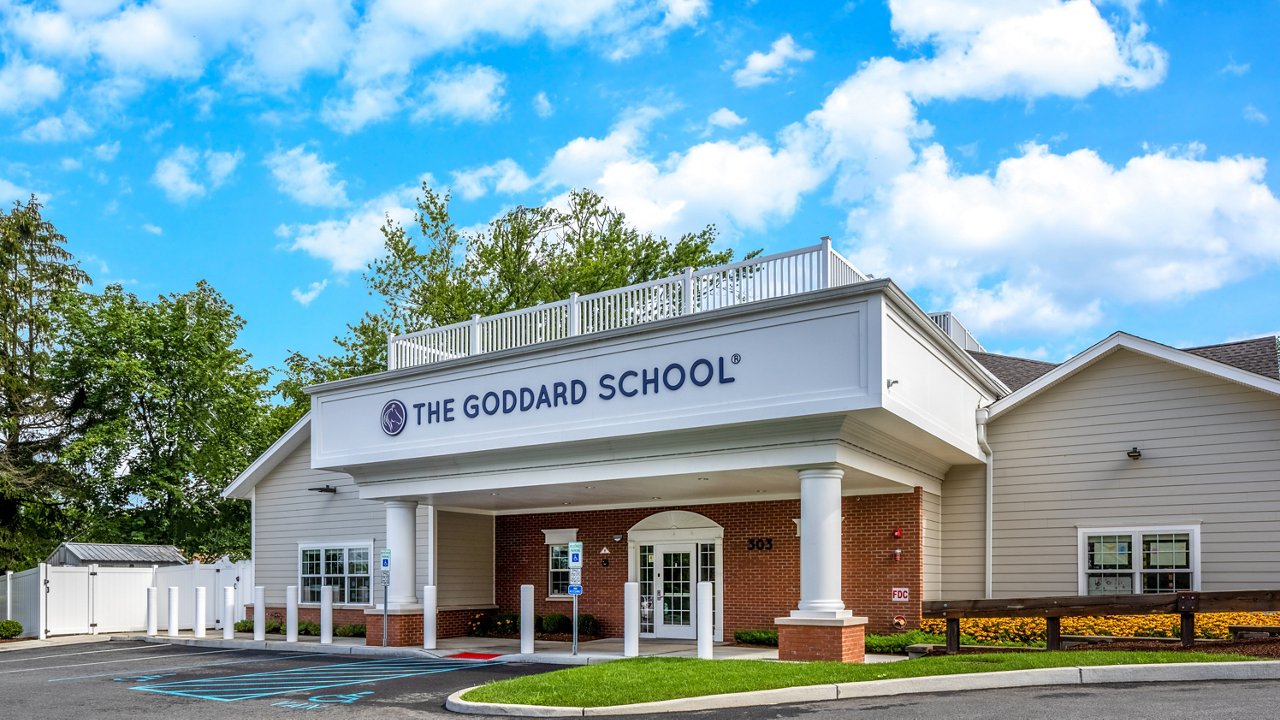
{"type": "Point", "coordinates": [1050, 171]}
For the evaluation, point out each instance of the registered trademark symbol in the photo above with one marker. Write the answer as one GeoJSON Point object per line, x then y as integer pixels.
{"type": "Point", "coordinates": [735, 359]}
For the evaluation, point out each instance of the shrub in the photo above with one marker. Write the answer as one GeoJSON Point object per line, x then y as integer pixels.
{"type": "Point", "coordinates": [756, 637]}
{"type": "Point", "coordinates": [353, 630]}
{"type": "Point", "coordinates": [556, 623]}
{"type": "Point", "coordinates": [504, 623]}
{"type": "Point", "coordinates": [478, 624]}
{"type": "Point", "coordinates": [1030, 631]}
{"type": "Point", "coordinates": [588, 625]}
{"type": "Point", "coordinates": [245, 625]}
{"type": "Point", "coordinates": [10, 629]}
{"type": "Point", "coordinates": [274, 625]}
{"type": "Point", "coordinates": [306, 627]}
{"type": "Point", "coordinates": [897, 643]}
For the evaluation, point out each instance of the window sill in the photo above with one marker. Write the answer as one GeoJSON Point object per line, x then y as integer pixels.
{"type": "Point", "coordinates": [560, 598]}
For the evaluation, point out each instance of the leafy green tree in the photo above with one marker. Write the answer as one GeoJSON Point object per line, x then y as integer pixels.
{"type": "Point", "coordinates": [37, 276]}
{"type": "Point", "coordinates": [174, 412]}
{"type": "Point", "coordinates": [434, 274]}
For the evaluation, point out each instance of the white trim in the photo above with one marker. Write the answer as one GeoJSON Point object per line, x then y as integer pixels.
{"type": "Point", "coordinates": [323, 545]}
{"type": "Point", "coordinates": [560, 537]}
{"type": "Point", "coordinates": [1082, 562]}
{"type": "Point", "coordinates": [702, 530]}
{"type": "Point", "coordinates": [1121, 340]}
{"type": "Point", "coordinates": [268, 460]}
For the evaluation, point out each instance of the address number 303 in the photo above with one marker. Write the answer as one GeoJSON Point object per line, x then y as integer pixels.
{"type": "Point", "coordinates": [759, 543]}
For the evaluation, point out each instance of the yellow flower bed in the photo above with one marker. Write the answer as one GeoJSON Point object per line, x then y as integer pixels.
{"type": "Point", "coordinates": [1031, 630]}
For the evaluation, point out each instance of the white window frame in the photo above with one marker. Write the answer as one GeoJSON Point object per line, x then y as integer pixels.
{"type": "Point", "coordinates": [558, 538]}
{"type": "Point", "coordinates": [346, 545]}
{"type": "Point", "coordinates": [1135, 532]}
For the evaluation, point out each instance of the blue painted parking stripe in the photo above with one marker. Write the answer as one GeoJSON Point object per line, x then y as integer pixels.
{"type": "Point", "coordinates": [317, 677]}
{"type": "Point", "coordinates": [189, 667]}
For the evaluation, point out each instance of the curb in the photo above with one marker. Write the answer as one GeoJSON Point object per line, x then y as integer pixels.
{"type": "Point", "coordinates": [1164, 672]}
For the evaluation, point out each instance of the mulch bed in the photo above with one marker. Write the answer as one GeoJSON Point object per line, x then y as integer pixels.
{"type": "Point", "coordinates": [1261, 647]}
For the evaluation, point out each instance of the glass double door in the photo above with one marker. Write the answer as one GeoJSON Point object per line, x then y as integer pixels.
{"type": "Point", "coordinates": [674, 580]}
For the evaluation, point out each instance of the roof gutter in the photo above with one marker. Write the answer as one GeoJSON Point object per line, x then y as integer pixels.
{"type": "Point", "coordinates": [982, 415]}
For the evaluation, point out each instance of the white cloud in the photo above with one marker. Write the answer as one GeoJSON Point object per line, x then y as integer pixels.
{"type": "Point", "coordinates": [504, 176]}
{"type": "Point", "coordinates": [725, 118]}
{"type": "Point", "coordinates": [366, 105]}
{"type": "Point", "coordinates": [1234, 68]}
{"type": "Point", "coordinates": [1254, 115]}
{"type": "Point", "coordinates": [55, 129]}
{"type": "Point", "coordinates": [25, 85]}
{"type": "Point", "coordinates": [313, 291]}
{"type": "Point", "coordinates": [107, 152]}
{"type": "Point", "coordinates": [152, 229]}
{"type": "Point", "coordinates": [304, 177]}
{"type": "Point", "coordinates": [762, 68]}
{"type": "Point", "coordinates": [11, 192]}
{"type": "Point", "coordinates": [542, 105]}
{"type": "Point", "coordinates": [1037, 243]}
{"type": "Point", "coordinates": [467, 92]}
{"type": "Point", "coordinates": [70, 164]}
{"type": "Point", "coordinates": [351, 243]}
{"type": "Point", "coordinates": [184, 174]}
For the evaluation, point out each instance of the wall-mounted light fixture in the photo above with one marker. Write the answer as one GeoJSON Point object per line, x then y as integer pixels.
{"type": "Point", "coordinates": [326, 489]}
{"type": "Point", "coordinates": [890, 383]}
{"type": "Point", "coordinates": [1134, 454]}
{"type": "Point", "coordinates": [617, 538]}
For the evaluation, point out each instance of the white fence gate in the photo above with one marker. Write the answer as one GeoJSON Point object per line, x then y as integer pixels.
{"type": "Point", "coordinates": [51, 600]}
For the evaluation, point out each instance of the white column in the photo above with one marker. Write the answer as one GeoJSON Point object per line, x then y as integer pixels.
{"type": "Point", "coordinates": [704, 620]}
{"type": "Point", "coordinates": [631, 619]}
{"type": "Point", "coordinates": [259, 613]}
{"type": "Point", "coordinates": [402, 537]}
{"type": "Point", "coordinates": [428, 617]}
{"type": "Point", "coordinates": [173, 611]}
{"type": "Point", "coordinates": [153, 611]}
{"type": "Point", "coordinates": [291, 613]}
{"type": "Point", "coordinates": [197, 624]}
{"type": "Point", "coordinates": [526, 619]}
{"type": "Point", "coordinates": [8, 594]}
{"type": "Point", "coordinates": [326, 614]}
{"type": "Point", "coordinates": [820, 544]}
{"type": "Point", "coordinates": [229, 612]}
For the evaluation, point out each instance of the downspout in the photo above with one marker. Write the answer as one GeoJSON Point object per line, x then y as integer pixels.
{"type": "Point", "coordinates": [982, 415]}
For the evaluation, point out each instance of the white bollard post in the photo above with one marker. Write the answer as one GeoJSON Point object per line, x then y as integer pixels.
{"type": "Point", "coordinates": [326, 615]}
{"type": "Point", "coordinates": [152, 611]}
{"type": "Point", "coordinates": [173, 611]}
{"type": "Point", "coordinates": [428, 617]}
{"type": "Point", "coordinates": [526, 619]}
{"type": "Point", "coordinates": [259, 613]}
{"type": "Point", "coordinates": [229, 612]}
{"type": "Point", "coordinates": [291, 613]}
{"type": "Point", "coordinates": [704, 620]}
{"type": "Point", "coordinates": [8, 594]}
{"type": "Point", "coordinates": [631, 619]}
{"type": "Point", "coordinates": [197, 625]}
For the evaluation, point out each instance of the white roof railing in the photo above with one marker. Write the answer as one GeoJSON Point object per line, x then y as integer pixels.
{"type": "Point", "coordinates": [811, 268]}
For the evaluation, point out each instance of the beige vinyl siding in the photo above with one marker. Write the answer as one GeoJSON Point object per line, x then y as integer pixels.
{"type": "Point", "coordinates": [931, 545]}
{"type": "Point", "coordinates": [465, 543]}
{"type": "Point", "coordinates": [963, 512]}
{"type": "Point", "coordinates": [288, 514]}
{"type": "Point", "coordinates": [1210, 456]}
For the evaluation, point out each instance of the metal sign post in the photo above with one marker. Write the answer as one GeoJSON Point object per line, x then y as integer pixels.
{"type": "Point", "coordinates": [385, 561]}
{"type": "Point", "coordinates": [575, 585]}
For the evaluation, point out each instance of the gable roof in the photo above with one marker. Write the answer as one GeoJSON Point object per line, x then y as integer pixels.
{"type": "Point", "coordinates": [1014, 372]}
{"type": "Point", "coordinates": [109, 552]}
{"type": "Point", "coordinates": [1124, 341]}
{"type": "Point", "coordinates": [242, 487]}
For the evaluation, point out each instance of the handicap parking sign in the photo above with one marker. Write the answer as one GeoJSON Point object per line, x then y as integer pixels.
{"type": "Point", "coordinates": [575, 589]}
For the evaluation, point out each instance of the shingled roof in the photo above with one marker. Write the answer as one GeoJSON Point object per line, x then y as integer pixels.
{"type": "Point", "coordinates": [1012, 371]}
{"type": "Point", "coordinates": [1260, 356]}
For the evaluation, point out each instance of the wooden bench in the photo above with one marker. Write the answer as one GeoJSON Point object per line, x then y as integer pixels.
{"type": "Point", "coordinates": [1238, 630]}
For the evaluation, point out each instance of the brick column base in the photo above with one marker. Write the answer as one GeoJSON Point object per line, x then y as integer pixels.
{"type": "Point", "coordinates": [837, 639]}
{"type": "Point", "coordinates": [404, 628]}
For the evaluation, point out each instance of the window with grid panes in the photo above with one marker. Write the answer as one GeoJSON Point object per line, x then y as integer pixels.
{"type": "Point", "coordinates": [1148, 561]}
{"type": "Point", "coordinates": [558, 570]}
{"type": "Point", "coordinates": [345, 568]}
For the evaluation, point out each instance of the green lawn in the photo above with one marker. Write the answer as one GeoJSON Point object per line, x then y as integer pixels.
{"type": "Point", "coordinates": [648, 679]}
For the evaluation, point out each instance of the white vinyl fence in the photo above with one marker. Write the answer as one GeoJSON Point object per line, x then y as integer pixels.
{"type": "Point", "coordinates": [51, 600]}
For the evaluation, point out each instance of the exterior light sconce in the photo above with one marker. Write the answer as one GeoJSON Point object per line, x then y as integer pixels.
{"type": "Point", "coordinates": [604, 557]}
{"type": "Point", "coordinates": [897, 555]}
{"type": "Point", "coordinates": [890, 383]}
{"type": "Point", "coordinates": [617, 538]}
{"type": "Point", "coordinates": [326, 489]}
{"type": "Point", "coordinates": [1134, 454]}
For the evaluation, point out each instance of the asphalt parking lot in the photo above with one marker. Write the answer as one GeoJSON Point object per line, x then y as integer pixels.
{"type": "Point", "coordinates": [134, 679]}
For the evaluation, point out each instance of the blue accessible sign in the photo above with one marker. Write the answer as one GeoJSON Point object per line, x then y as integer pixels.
{"type": "Point", "coordinates": [575, 589]}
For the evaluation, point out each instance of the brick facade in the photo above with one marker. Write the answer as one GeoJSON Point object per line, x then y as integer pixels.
{"type": "Point", "coordinates": [403, 630]}
{"type": "Point", "coordinates": [819, 642]}
{"type": "Point", "coordinates": [449, 623]}
{"type": "Point", "coordinates": [759, 586]}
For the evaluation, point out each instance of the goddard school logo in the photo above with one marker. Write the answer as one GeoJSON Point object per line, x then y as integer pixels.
{"type": "Point", "coordinates": [394, 417]}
